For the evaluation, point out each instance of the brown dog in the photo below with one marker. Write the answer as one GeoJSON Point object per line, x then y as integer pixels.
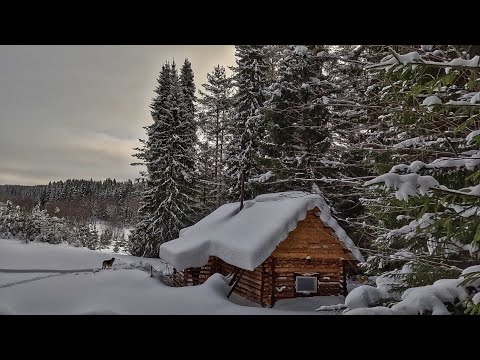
{"type": "Point", "coordinates": [108, 263]}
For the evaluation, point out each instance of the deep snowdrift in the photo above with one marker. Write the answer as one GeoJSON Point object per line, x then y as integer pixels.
{"type": "Point", "coordinates": [125, 289]}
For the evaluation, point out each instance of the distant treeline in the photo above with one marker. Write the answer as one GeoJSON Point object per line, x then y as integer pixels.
{"type": "Point", "coordinates": [79, 200]}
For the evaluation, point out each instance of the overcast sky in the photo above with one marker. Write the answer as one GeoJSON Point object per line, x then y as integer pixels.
{"type": "Point", "coordinates": [77, 111]}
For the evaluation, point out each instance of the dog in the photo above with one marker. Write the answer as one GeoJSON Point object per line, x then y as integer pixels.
{"type": "Point", "coordinates": [108, 263]}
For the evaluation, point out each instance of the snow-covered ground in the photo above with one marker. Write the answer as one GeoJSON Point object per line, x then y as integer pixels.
{"type": "Point", "coordinates": [127, 288]}
{"type": "Point", "coordinates": [101, 226]}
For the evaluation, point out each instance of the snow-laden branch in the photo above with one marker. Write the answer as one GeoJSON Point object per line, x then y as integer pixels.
{"type": "Point", "coordinates": [414, 58]}
{"type": "Point", "coordinates": [412, 184]}
{"type": "Point", "coordinates": [469, 162]}
{"type": "Point", "coordinates": [406, 185]}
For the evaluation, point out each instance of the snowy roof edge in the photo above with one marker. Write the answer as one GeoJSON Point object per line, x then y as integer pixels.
{"type": "Point", "coordinates": [187, 252]}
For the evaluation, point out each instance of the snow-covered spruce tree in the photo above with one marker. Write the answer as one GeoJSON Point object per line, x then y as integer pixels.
{"type": "Point", "coordinates": [272, 55]}
{"type": "Point", "coordinates": [116, 247]}
{"type": "Point", "coordinates": [36, 221]}
{"type": "Point", "coordinates": [214, 120]}
{"type": "Point", "coordinates": [188, 98]}
{"type": "Point", "coordinates": [12, 222]}
{"type": "Point", "coordinates": [118, 240]}
{"type": "Point", "coordinates": [87, 235]}
{"type": "Point", "coordinates": [169, 199]}
{"type": "Point", "coordinates": [188, 128]}
{"type": "Point", "coordinates": [352, 124]}
{"type": "Point", "coordinates": [106, 238]}
{"type": "Point", "coordinates": [297, 134]}
{"type": "Point", "coordinates": [432, 96]}
{"type": "Point", "coordinates": [243, 153]}
{"type": "Point", "coordinates": [205, 172]}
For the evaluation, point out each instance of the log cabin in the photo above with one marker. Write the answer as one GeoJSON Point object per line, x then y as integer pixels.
{"type": "Point", "coordinates": [278, 246]}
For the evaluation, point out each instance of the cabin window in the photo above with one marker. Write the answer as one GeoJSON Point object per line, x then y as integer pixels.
{"type": "Point", "coordinates": [306, 284]}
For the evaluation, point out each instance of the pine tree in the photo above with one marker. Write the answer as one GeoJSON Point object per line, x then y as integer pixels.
{"type": "Point", "coordinates": [243, 153]}
{"type": "Point", "coordinates": [169, 197]}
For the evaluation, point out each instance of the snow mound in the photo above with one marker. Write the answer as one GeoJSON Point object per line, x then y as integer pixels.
{"type": "Point", "coordinates": [337, 307]}
{"type": "Point", "coordinates": [414, 301]}
{"type": "Point", "coordinates": [246, 238]}
{"type": "Point", "coordinates": [475, 98]}
{"type": "Point", "coordinates": [133, 265]}
{"type": "Point", "coordinates": [474, 62]}
{"type": "Point", "coordinates": [377, 310]}
{"type": "Point", "coordinates": [431, 101]}
{"type": "Point", "coordinates": [471, 137]}
{"type": "Point", "coordinates": [419, 302]}
{"type": "Point", "coordinates": [471, 269]}
{"type": "Point", "coordinates": [476, 298]}
{"type": "Point", "coordinates": [363, 296]}
{"type": "Point", "coordinates": [300, 49]}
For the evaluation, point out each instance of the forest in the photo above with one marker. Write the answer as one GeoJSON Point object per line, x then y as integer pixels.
{"type": "Point", "coordinates": [387, 134]}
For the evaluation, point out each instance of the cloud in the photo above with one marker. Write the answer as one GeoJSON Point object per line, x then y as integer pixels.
{"type": "Point", "coordinates": [78, 111]}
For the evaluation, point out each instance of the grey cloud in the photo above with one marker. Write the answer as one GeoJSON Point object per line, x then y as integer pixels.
{"type": "Point", "coordinates": [77, 111]}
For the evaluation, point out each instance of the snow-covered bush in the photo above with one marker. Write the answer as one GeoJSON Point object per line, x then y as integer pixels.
{"type": "Point", "coordinates": [13, 222]}
{"type": "Point", "coordinates": [37, 225]}
{"type": "Point", "coordinates": [443, 297]}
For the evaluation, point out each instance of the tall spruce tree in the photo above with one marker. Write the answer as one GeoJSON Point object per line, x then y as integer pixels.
{"type": "Point", "coordinates": [214, 121]}
{"type": "Point", "coordinates": [188, 92]}
{"type": "Point", "coordinates": [168, 198]}
{"type": "Point", "coordinates": [205, 164]}
{"type": "Point", "coordinates": [341, 171]}
{"type": "Point", "coordinates": [244, 151]}
{"type": "Point", "coordinates": [296, 121]}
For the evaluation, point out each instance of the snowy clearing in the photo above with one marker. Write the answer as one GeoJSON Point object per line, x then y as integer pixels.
{"type": "Point", "coordinates": [124, 289]}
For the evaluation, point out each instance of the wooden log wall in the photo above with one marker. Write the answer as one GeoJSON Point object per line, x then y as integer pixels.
{"type": "Point", "coordinates": [253, 285]}
{"type": "Point", "coordinates": [312, 249]}
{"type": "Point", "coordinates": [328, 274]}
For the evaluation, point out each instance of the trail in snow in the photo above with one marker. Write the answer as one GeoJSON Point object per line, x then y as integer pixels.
{"type": "Point", "coordinates": [28, 280]}
{"type": "Point", "coordinates": [54, 273]}
{"type": "Point", "coordinates": [37, 271]}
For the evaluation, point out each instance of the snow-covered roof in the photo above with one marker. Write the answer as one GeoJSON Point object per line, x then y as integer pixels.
{"type": "Point", "coordinates": [246, 238]}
